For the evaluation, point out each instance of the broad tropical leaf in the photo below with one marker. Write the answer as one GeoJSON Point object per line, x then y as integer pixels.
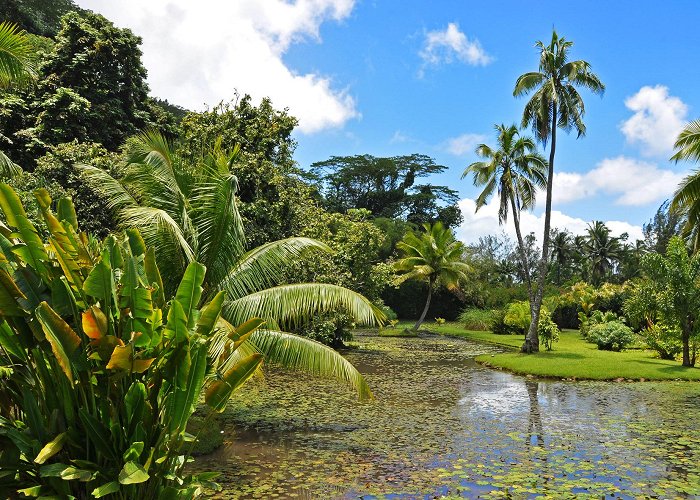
{"type": "Point", "coordinates": [60, 335]}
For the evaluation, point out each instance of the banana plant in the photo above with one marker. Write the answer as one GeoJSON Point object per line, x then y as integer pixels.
{"type": "Point", "coordinates": [100, 370]}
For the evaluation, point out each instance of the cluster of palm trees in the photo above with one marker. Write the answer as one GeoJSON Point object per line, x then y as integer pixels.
{"type": "Point", "coordinates": [515, 170]}
{"type": "Point", "coordinates": [594, 257]}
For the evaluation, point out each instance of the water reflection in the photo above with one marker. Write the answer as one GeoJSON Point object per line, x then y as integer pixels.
{"type": "Point", "coordinates": [535, 434]}
{"type": "Point", "coordinates": [443, 425]}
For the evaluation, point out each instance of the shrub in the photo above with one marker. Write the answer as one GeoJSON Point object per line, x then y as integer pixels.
{"type": "Point", "coordinates": [548, 331]}
{"type": "Point", "coordinates": [596, 318]}
{"type": "Point", "coordinates": [611, 336]}
{"type": "Point", "coordinates": [478, 319]}
{"type": "Point", "coordinates": [518, 315]}
{"type": "Point", "coordinates": [102, 373]}
{"type": "Point", "coordinates": [331, 328]}
{"type": "Point", "coordinates": [663, 339]}
{"type": "Point", "coordinates": [439, 321]}
{"type": "Point", "coordinates": [499, 325]}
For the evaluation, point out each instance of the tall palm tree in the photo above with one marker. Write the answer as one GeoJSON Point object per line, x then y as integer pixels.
{"type": "Point", "coordinates": [604, 251]}
{"type": "Point", "coordinates": [16, 68]}
{"type": "Point", "coordinates": [188, 213]}
{"type": "Point", "coordinates": [433, 256]}
{"type": "Point", "coordinates": [515, 170]}
{"type": "Point", "coordinates": [555, 103]}
{"type": "Point", "coordinates": [686, 199]}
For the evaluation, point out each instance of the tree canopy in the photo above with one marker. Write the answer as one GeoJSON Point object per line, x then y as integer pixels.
{"type": "Point", "coordinates": [387, 187]}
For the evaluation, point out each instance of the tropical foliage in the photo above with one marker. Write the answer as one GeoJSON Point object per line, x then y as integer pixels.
{"type": "Point", "coordinates": [188, 212]}
{"type": "Point", "coordinates": [101, 370]}
{"type": "Point", "coordinates": [669, 293]}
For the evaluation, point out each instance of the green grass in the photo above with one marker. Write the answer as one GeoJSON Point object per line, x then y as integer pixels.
{"type": "Point", "coordinates": [572, 357]}
{"type": "Point", "coordinates": [399, 331]}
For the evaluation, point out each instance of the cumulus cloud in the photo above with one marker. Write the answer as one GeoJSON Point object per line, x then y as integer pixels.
{"type": "Point", "coordinates": [632, 182]}
{"type": "Point", "coordinates": [199, 53]}
{"type": "Point", "coordinates": [464, 144]}
{"type": "Point", "coordinates": [657, 120]}
{"type": "Point", "coordinates": [444, 46]}
{"type": "Point", "coordinates": [485, 222]}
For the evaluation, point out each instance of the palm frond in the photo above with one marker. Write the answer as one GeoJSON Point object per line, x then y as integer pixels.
{"type": "Point", "coordinates": [290, 305]}
{"type": "Point", "coordinates": [117, 196]}
{"type": "Point", "coordinates": [8, 168]}
{"type": "Point", "coordinates": [16, 66]}
{"type": "Point", "coordinates": [687, 145]}
{"type": "Point", "coordinates": [261, 266]}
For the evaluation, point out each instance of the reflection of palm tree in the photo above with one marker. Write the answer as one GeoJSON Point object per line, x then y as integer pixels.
{"type": "Point", "coordinates": [534, 424]}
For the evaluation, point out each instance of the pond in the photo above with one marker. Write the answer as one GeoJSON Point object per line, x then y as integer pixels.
{"type": "Point", "coordinates": [442, 425]}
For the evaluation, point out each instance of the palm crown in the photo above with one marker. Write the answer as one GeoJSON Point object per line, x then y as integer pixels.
{"type": "Point", "coordinates": [555, 94]}
{"type": "Point", "coordinates": [514, 169]}
{"type": "Point", "coordinates": [188, 213]}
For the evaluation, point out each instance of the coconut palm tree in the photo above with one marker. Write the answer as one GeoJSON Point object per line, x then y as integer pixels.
{"type": "Point", "coordinates": [686, 199]}
{"type": "Point", "coordinates": [603, 250]}
{"type": "Point", "coordinates": [433, 256]}
{"type": "Point", "coordinates": [16, 68]}
{"type": "Point", "coordinates": [188, 213]}
{"type": "Point", "coordinates": [555, 103]}
{"type": "Point", "coordinates": [562, 251]}
{"type": "Point", "coordinates": [514, 170]}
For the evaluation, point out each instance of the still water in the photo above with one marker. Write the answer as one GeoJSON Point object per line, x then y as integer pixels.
{"type": "Point", "coordinates": [442, 425]}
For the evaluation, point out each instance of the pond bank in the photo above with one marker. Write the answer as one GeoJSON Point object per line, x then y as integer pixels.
{"type": "Point", "coordinates": [442, 424]}
{"type": "Point", "coordinates": [573, 358]}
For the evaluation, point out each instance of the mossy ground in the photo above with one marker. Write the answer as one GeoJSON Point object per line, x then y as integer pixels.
{"type": "Point", "coordinates": [572, 357]}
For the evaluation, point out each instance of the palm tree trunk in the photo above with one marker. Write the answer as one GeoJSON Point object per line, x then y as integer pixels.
{"type": "Point", "coordinates": [521, 249]}
{"type": "Point", "coordinates": [685, 337]}
{"type": "Point", "coordinates": [427, 305]}
{"type": "Point", "coordinates": [532, 342]}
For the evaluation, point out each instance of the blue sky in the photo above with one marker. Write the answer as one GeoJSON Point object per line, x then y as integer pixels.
{"type": "Point", "coordinates": [398, 77]}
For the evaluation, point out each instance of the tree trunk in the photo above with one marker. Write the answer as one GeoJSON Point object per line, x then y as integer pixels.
{"type": "Point", "coordinates": [532, 342]}
{"type": "Point", "coordinates": [521, 248]}
{"type": "Point", "coordinates": [686, 349]}
{"type": "Point", "coordinates": [685, 337]}
{"type": "Point", "coordinates": [427, 305]}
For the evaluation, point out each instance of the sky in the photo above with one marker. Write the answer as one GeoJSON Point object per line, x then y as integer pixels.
{"type": "Point", "coordinates": [395, 77]}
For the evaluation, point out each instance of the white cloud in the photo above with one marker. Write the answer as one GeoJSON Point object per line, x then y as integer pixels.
{"type": "Point", "coordinates": [485, 222]}
{"type": "Point", "coordinates": [632, 181]}
{"type": "Point", "coordinates": [449, 44]}
{"type": "Point", "coordinates": [399, 138]}
{"type": "Point", "coordinates": [464, 144]}
{"type": "Point", "coordinates": [657, 120]}
{"type": "Point", "coordinates": [198, 53]}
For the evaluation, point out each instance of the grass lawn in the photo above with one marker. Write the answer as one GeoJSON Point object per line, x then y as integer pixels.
{"type": "Point", "coordinates": [572, 357]}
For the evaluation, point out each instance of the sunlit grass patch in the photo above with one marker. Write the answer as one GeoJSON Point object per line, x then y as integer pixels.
{"type": "Point", "coordinates": [573, 357]}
